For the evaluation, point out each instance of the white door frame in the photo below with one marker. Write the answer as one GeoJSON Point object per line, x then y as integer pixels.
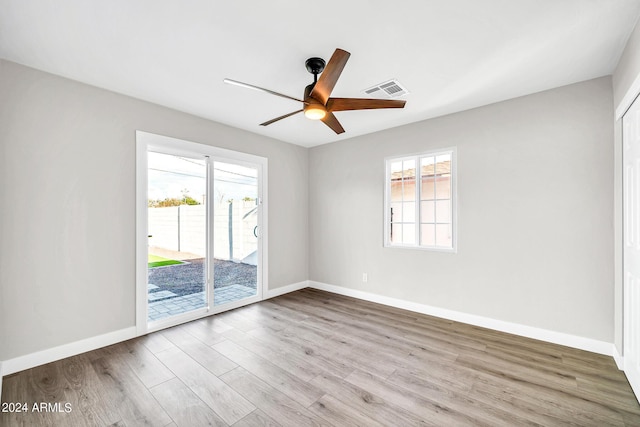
{"type": "Point", "coordinates": [146, 141]}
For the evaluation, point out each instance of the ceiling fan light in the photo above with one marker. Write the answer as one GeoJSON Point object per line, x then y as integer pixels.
{"type": "Point", "coordinates": [315, 113]}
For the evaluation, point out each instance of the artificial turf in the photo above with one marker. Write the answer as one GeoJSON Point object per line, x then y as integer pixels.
{"type": "Point", "coordinates": [158, 261]}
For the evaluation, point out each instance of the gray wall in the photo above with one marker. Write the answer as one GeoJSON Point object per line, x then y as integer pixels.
{"type": "Point", "coordinates": [67, 222]}
{"type": "Point", "coordinates": [535, 241]}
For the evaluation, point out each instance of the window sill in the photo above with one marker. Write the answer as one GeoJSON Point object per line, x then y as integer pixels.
{"type": "Point", "coordinates": [422, 248]}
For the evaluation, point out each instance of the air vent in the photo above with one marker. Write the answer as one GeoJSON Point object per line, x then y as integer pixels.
{"type": "Point", "coordinates": [388, 89]}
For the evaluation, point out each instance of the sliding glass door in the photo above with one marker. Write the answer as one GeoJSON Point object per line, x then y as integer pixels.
{"type": "Point", "coordinates": [201, 230]}
{"type": "Point", "coordinates": [177, 232]}
{"type": "Point", "coordinates": [235, 232]}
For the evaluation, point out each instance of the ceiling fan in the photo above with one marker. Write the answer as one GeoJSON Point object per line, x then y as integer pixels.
{"type": "Point", "coordinates": [317, 105]}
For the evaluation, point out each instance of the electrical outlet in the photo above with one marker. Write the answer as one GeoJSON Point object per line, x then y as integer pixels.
{"type": "Point", "coordinates": [365, 277]}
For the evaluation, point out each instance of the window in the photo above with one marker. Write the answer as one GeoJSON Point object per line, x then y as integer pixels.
{"type": "Point", "coordinates": [420, 201]}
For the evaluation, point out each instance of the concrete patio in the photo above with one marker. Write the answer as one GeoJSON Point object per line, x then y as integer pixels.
{"type": "Point", "coordinates": [173, 304]}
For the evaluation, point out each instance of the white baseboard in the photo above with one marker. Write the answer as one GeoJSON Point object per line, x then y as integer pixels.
{"type": "Point", "coordinates": [618, 358]}
{"type": "Point", "coordinates": [561, 338]}
{"type": "Point", "coordinates": [38, 358]}
{"type": "Point", "coordinates": [42, 357]}
{"type": "Point", "coordinates": [271, 293]}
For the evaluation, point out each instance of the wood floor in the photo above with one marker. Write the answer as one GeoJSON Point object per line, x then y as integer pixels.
{"type": "Point", "coordinates": [314, 358]}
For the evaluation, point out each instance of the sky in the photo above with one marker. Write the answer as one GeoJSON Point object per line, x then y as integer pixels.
{"type": "Point", "coordinates": [169, 175]}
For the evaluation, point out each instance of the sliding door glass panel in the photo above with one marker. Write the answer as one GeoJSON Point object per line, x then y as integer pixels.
{"type": "Point", "coordinates": [177, 227]}
{"type": "Point", "coordinates": [235, 232]}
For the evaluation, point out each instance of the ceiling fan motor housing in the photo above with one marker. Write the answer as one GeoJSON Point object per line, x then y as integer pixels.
{"type": "Point", "coordinates": [313, 108]}
{"type": "Point", "coordinates": [315, 65]}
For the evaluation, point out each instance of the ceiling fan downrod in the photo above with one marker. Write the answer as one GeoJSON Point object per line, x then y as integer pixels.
{"type": "Point", "coordinates": [315, 66]}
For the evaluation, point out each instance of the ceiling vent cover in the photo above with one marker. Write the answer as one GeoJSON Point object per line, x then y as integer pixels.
{"type": "Point", "coordinates": [388, 89]}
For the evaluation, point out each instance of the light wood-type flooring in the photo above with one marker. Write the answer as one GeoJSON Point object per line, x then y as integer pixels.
{"type": "Point", "coordinates": [312, 358]}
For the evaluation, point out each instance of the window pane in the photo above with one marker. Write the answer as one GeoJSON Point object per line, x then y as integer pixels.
{"type": "Point", "coordinates": [395, 170]}
{"type": "Point", "coordinates": [426, 166]}
{"type": "Point", "coordinates": [443, 235]}
{"type": "Point", "coordinates": [408, 234]}
{"type": "Point", "coordinates": [443, 164]}
{"type": "Point", "coordinates": [396, 191]}
{"type": "Point", "coordinates": [409, 180]}
{"type": "Point", "coordinates": [409, 212]}
{"type": "Point", "coordinates": [409, 167]}
{"type": "Point", "coordinates": [427, 211]}
{"type": "Point", "coordinates": [427, 234]}
{"type": "Point", "coordinates": [443, 211]}
{"type": "Point", "coordinates": [396, 212]}
{"type": "Point", "coordinates": [443, 187]}
{"type": "Point", "coordinates": [428, 182]}
{"type": "Point", "coordinates": [428, 188]}
{"type": "Point", "coordinates": [177, 229]}
{"type": "Point", "coordinates": [409, 189]}
{"type": "Point", "coordinates": [396, 233]}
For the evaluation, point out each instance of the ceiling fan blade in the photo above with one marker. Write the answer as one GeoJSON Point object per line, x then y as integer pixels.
{"type": "Point", "coordinates": [331, 121]}
{"type": "Point", "coordinates": [261, 89]}
{"type": "Point", "coordinates": [330, 75]}
{"type": "Point", "coordinates": [280, 118]}
{"type": "Point", "coordinates": [344, 104]}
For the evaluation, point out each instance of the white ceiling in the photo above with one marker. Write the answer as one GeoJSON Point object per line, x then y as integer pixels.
{"type": "Point", "coordinates": [451, 55]}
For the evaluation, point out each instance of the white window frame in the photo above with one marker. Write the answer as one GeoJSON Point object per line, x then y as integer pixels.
{"type": "Point", "coordinates": [454, 201]}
